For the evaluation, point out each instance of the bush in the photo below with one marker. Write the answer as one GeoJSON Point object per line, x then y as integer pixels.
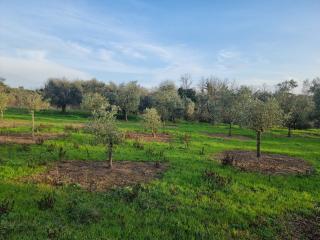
{"type": "Point", "coordinates": [6, 207]}
{"type": "Point", "coordinates": [138, 144]}
{"type": "Point", "coordinates": [228, 159]}
{"type": "Point", "coordinates": [62, 153]}
{"type": "Point", "coordinates": [82, 214]}
{"type": "Point", "coordinates": [39, 141]}
{"type": "Point", "coordinates": [72, 128]}
{"type": "Point", "coordinates": [214, 179]}
{"type": "Point", "coordinates": [46, 202]}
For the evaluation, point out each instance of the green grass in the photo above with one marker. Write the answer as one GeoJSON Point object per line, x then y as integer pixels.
{"type": "Point", "coordinates": [180, 205]}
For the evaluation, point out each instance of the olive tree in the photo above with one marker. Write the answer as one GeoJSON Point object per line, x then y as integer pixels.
{"type": "Point", "coordinates": [34, 102]}
{"type": "Point", "coordinates": [168, 102]}
{"type": "Point", "coordinates": [261, 116]}
{"type": "Point", "coordinates": [61, 93]}
{"type": "Point", "coordinates": [103, 126]}
{"type": "Point", "coordinates": [4, 99]}
{"type": "Point", "coordinates": [94, 102]}
{"type": "Point", "coordinates": [129, 98]}
{"type": "Point", "coordinates": [152, 120]}
{"type": "Point", "coordinates": [287, 101]}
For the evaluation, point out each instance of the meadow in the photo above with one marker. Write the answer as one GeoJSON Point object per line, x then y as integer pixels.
{"type": "Point", "coordinates": [195, 198]}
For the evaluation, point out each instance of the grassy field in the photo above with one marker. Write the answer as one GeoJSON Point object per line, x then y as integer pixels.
{"type": "Point", "coordinates": [182, 204]}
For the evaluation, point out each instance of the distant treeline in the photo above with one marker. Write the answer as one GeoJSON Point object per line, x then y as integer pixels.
{"type": "Point", "coordinates": [213, 100]}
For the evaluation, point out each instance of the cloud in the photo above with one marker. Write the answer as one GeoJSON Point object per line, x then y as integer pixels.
{"type": "Point", "coordinates": [33, 71]}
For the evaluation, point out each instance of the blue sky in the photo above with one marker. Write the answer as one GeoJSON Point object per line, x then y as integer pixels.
{"type": "Point", "coordinates": [252, 42]}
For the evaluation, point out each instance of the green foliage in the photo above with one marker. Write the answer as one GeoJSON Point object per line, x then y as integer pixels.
{"type": "Point", "coordinates": [6, 206]}
{"type": "Point", "coordinates": [261, 116]}
{"type": "Point", "coordinates": [152, 120]}
{"type": "Point", "coordinates": [183, 203]}
{"type": "Point", "coordinates": [94, 102]}
{"type": "Point", "coordinates": [46, 202]}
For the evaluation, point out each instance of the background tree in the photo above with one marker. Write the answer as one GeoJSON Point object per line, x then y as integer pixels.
{"type": "Point", "coordinates": [104, 127]}
{"type": "Point", "coordinates": [315, 91]}
{"type": "Point", "coordinates": [61, 93]}
{"type": "Point", "coordinates": [94, 102]}
{"type": "Point", "coordinates": [152, 120]}
{"type": "Point", "coordinates": [35, 103]}
{"type": "Point", "coordinates": [167, 101]}
{"type": "Point", "coordinates": [287, 101]}
{"type": "Point", "coordinates": [4, 99]}
{"type": "Point", "coordinates": [129, 98]}
{"type": "Point", "coordinates": [261, 116]}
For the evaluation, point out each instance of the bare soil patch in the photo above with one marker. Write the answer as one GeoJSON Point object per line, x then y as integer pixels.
{"type": "Point", "coordinates": [13, 124]}
{"type": "Point", "coordinates": [27, 138]}
{"type": "Point", "coordinates": [304, 227]}
{"type": "Point", "coordinates": [268, 163]}
{"type": "Point", "coordinates": [97, 176]}
{"type": "Point", "coordinates": [160, 137]}
{"type": "Point", "coordinates": [225, 136]}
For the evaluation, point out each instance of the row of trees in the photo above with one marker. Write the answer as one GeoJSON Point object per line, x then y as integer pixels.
{"type": "Point", "coordinates": [214, 100]}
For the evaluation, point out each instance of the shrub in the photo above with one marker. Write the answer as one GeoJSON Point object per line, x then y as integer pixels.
{"type": "Point", "coordinates": [62, 153]}
{"type": "Point", "coordinates": [39, 141]}
{"type": "Point", "coordinates": [186, 139]}
{"type": "Point", "coordinates": [82, 214]}
{"type": "Point", "coordinates": [6, 207]}
{"type": "Point", "coordinates": [214, 179]}
{"type": "Point", "coordinates": [72, 128]}
{"type": "Point", "coordinates": [138, 144]}
{"type": "Point", "coordinates": [228, 159]}
{"type": "Point", "coordinates": [46, 202]}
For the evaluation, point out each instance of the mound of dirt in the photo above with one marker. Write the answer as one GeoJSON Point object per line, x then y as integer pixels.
{"type": "Point", "coordinates": [160, 137]}
{"type": "Point", "coordinates": [267, 163]}
{"type": "Point", "coordinates": [304, 227]}
{"type": "Point", "coordinates": [97, 176]}
{"type": "Point", "coordinates": [27, 138]}
{"type": "Point", "coordinates": [225, 136]}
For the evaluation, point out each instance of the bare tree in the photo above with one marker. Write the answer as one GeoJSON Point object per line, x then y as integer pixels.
{"type": "Point", "coordinates": [4, 99]}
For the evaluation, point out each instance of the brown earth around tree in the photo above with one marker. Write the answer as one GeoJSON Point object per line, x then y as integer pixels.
{"type": "Point", "coordinates": [225, 136]}
{"type": "Point", "coordinates": [97, 176]}
{"type": "Point", "coordinates": [267, 163]}
{"type": "Point", "coordinates": [160, 137]}
{"type": "Point", "coordinates": [27, 138]}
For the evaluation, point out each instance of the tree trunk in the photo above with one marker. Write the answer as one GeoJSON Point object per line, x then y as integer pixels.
{"type": "Point", "coordinates": [63, 108]}
{"type": "Point", "coordinates": [32, 115]}
{"type": "Point", "coordinates": [289, 131]}
{"type": "Point", "coordinates": [258, 144]}
{"type": "Point", "coordinates": [153, 133]}
{"type": "Point", "coordinates": [1, 112]}
{"type": "Point", "coordinates": [230, 128]}
{"type": "Point", "coordinates": [126, 115]}
{"type": "Point", "coordinates": [110, 154]}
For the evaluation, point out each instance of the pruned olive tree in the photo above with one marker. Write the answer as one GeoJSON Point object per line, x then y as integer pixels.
{"type": "Point", "coordinates": [33, 103]}
{"type": "Point", "coordinates": [261, 116]}
{"type": "Point", "coordinates": [152, 120]}
{"type": "Point", "coordinates": [94, 102]}
{"type": "Point", "coordinates": [103, 126]}
{"type": "Point", "coordinates": [4, 99]}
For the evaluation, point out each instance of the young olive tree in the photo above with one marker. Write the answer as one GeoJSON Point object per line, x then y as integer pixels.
{"type": "Point", "coordinates": [4, 99]}
{"type": "Point", "coordinates": [34, 102]}
{"type": "Point", "coordinates": [94, 102]}
{"type": "Point", "coordinates": [103, 126]}
{"type": "Point", "coordinates": [152, 120]}
{"type": "Point", "coordinates": [261, 116]}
